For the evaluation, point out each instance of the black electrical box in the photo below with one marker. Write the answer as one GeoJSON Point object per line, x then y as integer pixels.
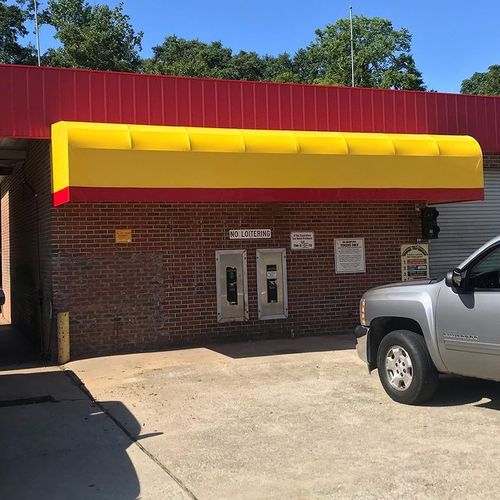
{"type": "Point", "coordinates": [430, 228]}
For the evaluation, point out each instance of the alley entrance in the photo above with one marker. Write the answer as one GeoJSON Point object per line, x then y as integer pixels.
{"type": "Point", "coordinates": [25, 187]}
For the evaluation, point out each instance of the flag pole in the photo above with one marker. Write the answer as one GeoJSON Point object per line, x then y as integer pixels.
{"type": "Point", "coordinates": [37, 32]}
{"type": "Point", "coordinates": [352, 46]}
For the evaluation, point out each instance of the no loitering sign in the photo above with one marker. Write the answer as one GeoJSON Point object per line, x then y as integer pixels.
{"type": "Point", "coordinates": [250, 234]}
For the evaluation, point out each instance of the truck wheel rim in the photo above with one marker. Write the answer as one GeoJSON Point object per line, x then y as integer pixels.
{"type": "Point", "coordinates": [398, 368]}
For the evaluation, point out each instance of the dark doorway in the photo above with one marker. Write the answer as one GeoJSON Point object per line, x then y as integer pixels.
{"type": "Point", "coordinates": [15, 348]}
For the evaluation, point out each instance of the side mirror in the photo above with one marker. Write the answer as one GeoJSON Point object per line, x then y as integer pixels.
{"type": "Point", "coordinates": [455, 278]}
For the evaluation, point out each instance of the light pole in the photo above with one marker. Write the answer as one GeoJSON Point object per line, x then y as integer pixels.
{"type": "Point", "coordinates": [352, 47]}
{"type": "Point", "coordinates": [37, 32]}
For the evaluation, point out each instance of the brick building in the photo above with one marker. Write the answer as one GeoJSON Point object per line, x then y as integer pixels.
{"type": "Point", "coordinates": [159, 211]}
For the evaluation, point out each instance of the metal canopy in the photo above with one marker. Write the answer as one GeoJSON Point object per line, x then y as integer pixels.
{"type": "Point", "coordinates": [106, 162]}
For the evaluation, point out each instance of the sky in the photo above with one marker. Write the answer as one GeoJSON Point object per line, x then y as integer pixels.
{"type": "Point", "coordinates": [452, 39]}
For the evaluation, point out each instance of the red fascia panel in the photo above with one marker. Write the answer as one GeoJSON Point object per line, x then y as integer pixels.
{"type": "Point", "coordinates": [90, 194]}
{"type": "Point", "coordinates": [33, 98]}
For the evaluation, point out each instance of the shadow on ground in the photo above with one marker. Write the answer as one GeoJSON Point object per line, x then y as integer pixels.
{"type": "Point", "coordinates": [15, 349]}
{"type": "Point", "coordinates": [250, 349]}
{"type": "Point", "coordinates": [57, 444]}
{"type": "Point", "coordinates": [456, 391]}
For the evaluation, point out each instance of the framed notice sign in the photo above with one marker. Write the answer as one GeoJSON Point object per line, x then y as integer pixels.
{"type": "Point", "coordinates": [350, 255]}
{"type": "Point", "coordinates": [302, 240]}
{"type": "Point", "coordinates": [414, 261]}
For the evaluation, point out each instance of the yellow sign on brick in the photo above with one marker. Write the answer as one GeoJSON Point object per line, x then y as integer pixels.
{"type": "Point", "coordinates": [123, 235]}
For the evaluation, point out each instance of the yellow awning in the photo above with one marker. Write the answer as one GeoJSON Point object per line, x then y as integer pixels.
{"type": "Point", "coordinates": [113, 162]}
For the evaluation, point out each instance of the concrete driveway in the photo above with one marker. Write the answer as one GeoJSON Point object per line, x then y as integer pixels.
{"type": "Point", "coordinates": [56, 444]}
{"type": "Point", "coordinates": [298, 419]}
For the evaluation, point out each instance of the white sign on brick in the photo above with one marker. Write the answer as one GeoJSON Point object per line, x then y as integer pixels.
{"type": "Point", "coordinates": [302, 240]}
{"type": "Point", "coordinates": [350, 255]}
{"type": "Point", "coordinates": [249, 234]}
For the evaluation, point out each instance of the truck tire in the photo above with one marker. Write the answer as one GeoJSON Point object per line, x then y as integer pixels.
{"type": "Point", "coordinates": [405, 368]}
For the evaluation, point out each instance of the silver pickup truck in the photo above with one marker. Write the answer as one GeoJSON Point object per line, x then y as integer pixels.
{"type": "Point", "coordinates": [413, 331]}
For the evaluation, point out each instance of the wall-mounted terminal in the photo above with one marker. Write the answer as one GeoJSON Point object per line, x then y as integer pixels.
{"type": "Point", "coordinates": [232, 294]}
{"type": "Point", "coordinates": [272, 283]}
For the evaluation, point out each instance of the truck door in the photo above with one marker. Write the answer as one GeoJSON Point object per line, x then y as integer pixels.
{"type": "Point", "coordinates": [468, 320]}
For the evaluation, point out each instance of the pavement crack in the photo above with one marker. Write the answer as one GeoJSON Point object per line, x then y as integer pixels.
{"type": "Point", "coordinates": [28, 401]}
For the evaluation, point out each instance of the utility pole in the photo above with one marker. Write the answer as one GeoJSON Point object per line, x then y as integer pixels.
{"type": "Point", "coordinates": [352, 47]}
{"type": "Point", "coordinates": [37, 32]}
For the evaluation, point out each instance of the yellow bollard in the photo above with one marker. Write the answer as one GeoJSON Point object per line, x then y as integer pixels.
{"type": "Point", "coordinates": [63, 337]}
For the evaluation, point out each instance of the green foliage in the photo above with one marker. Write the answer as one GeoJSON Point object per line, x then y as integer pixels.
{"type": "Point", "coordinates": [382, 58]}
{"type": "Point", "coordinates": [487, 83]}
{"type": "Point", "coordinates": [282, 68]}
{"type": "Point", "coordinates": [177, 56]}
{"type": "Point", "coordinates": [247, 66]}
{"type": "Point", "coordinates": [92, 36]}
{"type": "Point", "coordinates": [13, 27]}
{"type": "Point", "coordinates": [382, 55]}
{"type": "Point", "coordinates": [99, 37]}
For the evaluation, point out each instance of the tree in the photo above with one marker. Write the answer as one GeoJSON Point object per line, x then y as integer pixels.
{"type": "Point", "coordinates": [282, 68]}
{"type": "Point", "coordinates": [382, 55]}
{"type": "Point", "coordinates": [12, 27]}
{"type": "Point", "coordinates": [178, 56]}
{"type": "Point", "coordinates": [247, 66]}
{"type": "Point", "coordinates": [382, 58]}
{"type": "Point", "coordinates": [92, 36]}
{"type": "Point", "coordinates": [487, 83]}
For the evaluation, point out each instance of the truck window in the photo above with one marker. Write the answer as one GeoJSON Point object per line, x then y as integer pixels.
{"type": "Point", "coordinates": [486, 273]}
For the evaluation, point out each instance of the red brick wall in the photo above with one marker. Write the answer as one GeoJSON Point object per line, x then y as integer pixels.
{"type": "Point", "coordinates": [26, 254]}
{"type": "Point", "coordinates": [159, 290]}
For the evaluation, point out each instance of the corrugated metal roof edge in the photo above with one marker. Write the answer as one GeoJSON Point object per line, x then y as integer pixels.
{"type": "Point", "coordinates": [257, 82]}
{"type": "Point", "coordinates": [32, 98]}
